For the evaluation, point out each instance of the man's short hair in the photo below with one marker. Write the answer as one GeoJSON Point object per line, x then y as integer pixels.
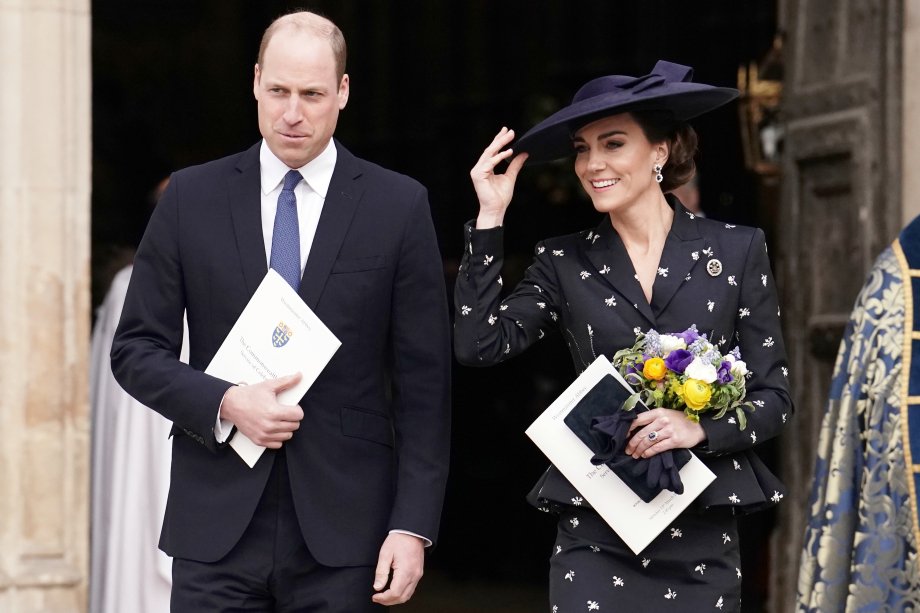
{"type": "Point", "coordinates": [314, 24]}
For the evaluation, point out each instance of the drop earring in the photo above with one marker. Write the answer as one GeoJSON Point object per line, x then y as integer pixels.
{"type": "Point", "coordinates": [657, 170]}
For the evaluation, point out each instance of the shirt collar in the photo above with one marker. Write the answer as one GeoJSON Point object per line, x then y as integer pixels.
{"type": "Point", "coordinates": [317, 173]}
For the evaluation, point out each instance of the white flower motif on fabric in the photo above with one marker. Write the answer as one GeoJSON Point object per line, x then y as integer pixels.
{"type": "Point", "coordinates": [604, 270]}
{"type": "Point", "coordinates": [785, 371]}
{"type": "Point", "coordinates": [570, 576]}
{"type": "Point", "coordinates": [743, 312]}
{"type": "Point", "coordinates": [777, 311]}
{"type": "Point", "coordinates": [731, 420]}
{"type": "Point", "coordinates": [519, 324]}
{"type": "Point", "coordinates": [555, 609]}
{"type": "Point", "coordinates": [676, 533]}
{"type": "Point", "coordinates": [492, 320]}
{"type": "Point", "coordinates": [487, 260]}
{"type": "Point", "coordinates": [594, 240]}
{"type": "Point", "coordinates": [725, 538]}
{"type": "Point", "coordinates": [577, 500]}
{"type": "Point", "coordinates": [738, 572]}
{"type": "Point", "coordinates": [541, 249]}
{"type": "Point", "coordinates": [687, 278]}
{"type": "Point", "coordinates": [590, 235]}
{"type": "Point", "coordinates": [759, 403]}
{"type": "Point", "coordinates": [729, 226]}
{"type": "Point", "coordinates": [593, 606]}
{"type": "Point", "coordinates": [753, 437]}
{"type": "Point", "coordinates": [541, 334]}
{"type": "Point", "coordinates": [559, 252]}
{"type": "Point", "coordinates": [768, 342]}
{"type": "Point", "coordinates": [465, 310]}
{"type": "Point", "coordinates": [542, 305]}
{"type": "Point", "coordinates": [611, 302]}
{"type": "Point", "coordinates": [763, 279]}
{"type": "Point", "coordinates": [503, 307]}
{"type": "Point", "coordinates": [671, 595]}
{"type": "Point", "coordinates": [618, 582]}
{"type": "Point", "coordinates": [538, 288]}
{"type": "Point", "coordinates": [722, 340]}
{"type": "Point", "coordinates": [507, 349]}
{"type": "Point", "coordinates": [574, 521]}
{"type": "Point", "coordinates": [710, 305]}
{"type": "Point", "coordinates": [701, 569]}
{"type": "Point", "coordinates": [707, 251]}
{"type": "Point", "coordinates": [594, 548]}
{"type": "Point", "coordinates": [737, 464]}
{"type": "Point", "coordinates": [776, 496]}
{"type": "Point", "coordinates": [695, 255]}
{"type": "Point", "coordinates": [662, 272]}
{"type": "Point", "coordinates": [734, 499]}
{"type": "Point", "coordinates": [500, 282]}
{"type": "Point", "coordinates": [554, 316]}
{"type": "Point", "coordinates": [784, 418]}
{"type": "Point", "coordinates": [719, 603]}
{"type": "Point", "coordinates": [691, 215]}
{"type": "Point", "coordinates": [558, 549]}
{"type": "Point", "coordinates": [731, 280]}
{"type": "Point", "coordinates": [584, 274]}
{"type": "Point", "coordinates": [645, 562]}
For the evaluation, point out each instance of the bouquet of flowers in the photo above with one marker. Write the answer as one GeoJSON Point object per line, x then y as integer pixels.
{"type": "Point", "coordinates": [684, 371]}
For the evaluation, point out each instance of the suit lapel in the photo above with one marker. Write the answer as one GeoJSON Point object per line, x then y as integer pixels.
{"type": "Point", "coordinates": [609, 256]}
{"type": "Point", "coordinates": [682, 250]}
{"type": "Point", "coordinates": [338, 210]}
{"type": "Point", "coordinates": [244, 195]}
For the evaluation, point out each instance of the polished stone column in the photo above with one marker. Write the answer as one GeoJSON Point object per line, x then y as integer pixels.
{"type": "Point", "coordinates": [45, 153]}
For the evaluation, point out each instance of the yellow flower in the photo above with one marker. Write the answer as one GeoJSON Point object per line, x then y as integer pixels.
{"type": "Point", "coordinates": [655, 369]}
{"type": "Point", "coordinates": [696, 394]}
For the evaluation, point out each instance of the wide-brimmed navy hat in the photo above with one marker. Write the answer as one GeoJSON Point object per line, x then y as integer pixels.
{"type": "Point", "coordinates": [668, 88]}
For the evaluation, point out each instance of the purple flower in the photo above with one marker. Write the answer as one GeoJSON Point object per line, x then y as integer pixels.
{"type": "Point", "coordinates": [678, 360]}
{"type": "Point", "coordinates": [724, 373]}
{"type": "Point", "coordinates": [690, 335]}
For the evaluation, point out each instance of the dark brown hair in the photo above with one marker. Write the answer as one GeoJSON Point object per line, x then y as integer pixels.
{"type": "Point", "coordinates": [660, 127]}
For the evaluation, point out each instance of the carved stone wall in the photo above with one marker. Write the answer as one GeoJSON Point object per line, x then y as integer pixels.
{"type": "Point", "coordinates": [840, 207]}
{"type": "Point", "coordinates": [44, 310]}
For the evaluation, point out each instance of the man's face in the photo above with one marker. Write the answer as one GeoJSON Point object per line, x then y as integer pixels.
{"type": "Point", "coordinates": [299, 95]}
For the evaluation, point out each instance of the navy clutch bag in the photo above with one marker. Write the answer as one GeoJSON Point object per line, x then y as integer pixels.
{"type": "Point", "coordinates": [600, 423]}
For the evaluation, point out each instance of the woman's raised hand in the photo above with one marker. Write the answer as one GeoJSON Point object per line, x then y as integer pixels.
{"type": "Point", "coordinates": [495, 190]}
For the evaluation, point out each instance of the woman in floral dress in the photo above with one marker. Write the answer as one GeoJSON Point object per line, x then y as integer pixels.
{"type": "Point", "coordinates": [649, 264]}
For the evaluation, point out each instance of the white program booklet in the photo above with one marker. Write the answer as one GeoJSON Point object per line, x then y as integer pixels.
{"type": "Point", "coordinates": [635, 521]}
{"type": "Point", "coordinates": [277, 334]}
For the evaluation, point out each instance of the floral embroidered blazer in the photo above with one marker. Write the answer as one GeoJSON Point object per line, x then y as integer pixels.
{"type": "Point", "coordinates": [711, 274]}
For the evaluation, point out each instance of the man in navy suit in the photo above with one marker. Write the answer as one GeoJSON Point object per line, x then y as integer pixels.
{"type": "Point", "coordinates": [336, 514]}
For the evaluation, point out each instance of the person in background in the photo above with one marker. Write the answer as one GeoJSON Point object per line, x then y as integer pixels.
{"type": "Point", "coordinates": [649, 263]}
{"type": "Point", "coordinates": [338, 511]}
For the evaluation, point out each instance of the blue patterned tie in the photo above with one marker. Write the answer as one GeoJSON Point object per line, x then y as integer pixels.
{"type": "Point", "coordinates": [285, 257]}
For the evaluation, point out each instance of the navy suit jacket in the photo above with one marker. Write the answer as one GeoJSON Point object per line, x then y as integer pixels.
{"type": "Point", "coordinates": [372, 450]}
{"type": "Point", "coordinates": [585, 286]}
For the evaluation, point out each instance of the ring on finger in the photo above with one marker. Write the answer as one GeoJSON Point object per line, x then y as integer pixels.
{"type": "Point", "coordinates": [653, 435]}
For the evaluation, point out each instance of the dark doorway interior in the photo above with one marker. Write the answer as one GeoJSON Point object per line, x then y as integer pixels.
{"type": "Point", "coordinates": [431, 83]}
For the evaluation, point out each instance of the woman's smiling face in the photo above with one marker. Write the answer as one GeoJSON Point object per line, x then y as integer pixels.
{"type": "Point", "coordinates": [615, 162]}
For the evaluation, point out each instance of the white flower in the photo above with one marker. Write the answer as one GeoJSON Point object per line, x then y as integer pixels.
{"type": "Point", "coordinates": [604, 270]}
{"type": "Point", "coordinates": [690, 215]}
{"type": "Point", "coordinates": [739, 368]}
{"type": "Point", "coordinates": [759, 403]}
{"type": "Point", "coordinates": [734, 499]}
{"type": "Point", "coordinates": [500, 282]}
{"type": "Point", "coordinates": [701, 569]}
{"type": "Point", "coordinates": [743, 312]}
{"type": "Point", "coordinates": [731, 280]}
{"type": "Point", "coordinates": [507, 348]}
{"type": "Point", "coordinates": [541, 249]}
{"type": "Point", "coordinates": [465, 310]}
{"type": "Point", "coordinates": [726, 538]}
{"type": "Point", "coordinates": [676, 533]}
{"type": "Point", "coordinates": [753, 437]}
{"type": "Point", "coordinates": [541, 334]}
{"type": "Point", "coordinates": [763, 279]}
{"type": "Point", "coordinates": [687, 278]}
{"type": "Point", "coordinates": [695, 255]}
{"type": "Point", "coordinates": [719, 604]}
{"type": "Point", "coordinates": [584, 274]}
{"type": "Point", "coordinates": [729, 226]}
{"type": "Point", "coordinates": [645, 562]}
{"type": "Point", "coordinates": [611, 302]}
{"type": "Point", "coordinates": [784, 418]}
{"type": "Point", "coordinates": [555, 609]}
{"type": "Point", "coordinates": [542, 305]}
{"type": "Point", "coordinates": [559, 252]}
{"type": "Point", "coordinates": [710, 305]}
{"type": "Point", "coordinates": [768, 342]}
{"type": "Point", "coordinates": [737, 464]}
{"type": "Point", "coordinates": [707, 251]}
{"type": "Point", "coordinates": [594, 548]}
{"type": "Point", "coordinates": [617, 582]}
{"type": "Point", "coordinates": [776, 496]}
{"type": "Point", "coordinates": [503, 307]}
{"type": "Point", "coordinates": [785, 371]}
{"type": "Point", "coordinates": [574, 522]}
{"type": "Point", "coordinates": [738, 572]}
{"type": "Point", "coordinates": [731, 420]}
{"type": "Point", "coordinates": [670, 343]}
{"type": "Point", "coordinates": [637, 331]}
{"type": "Point", "coordinates": [487, 260]}
{"type": "Point", "coordinates": [590, 235]}
{"type": "Point", "coordinates": [558, 549]}
{"type": "Point", "coordinates": [662, 272]}
{"type": "Point", "coordinates": [577, 500]}
{"type": "Point", "coordinates": [670, 595]}
{"type": "Point", "coordinates": [492, 320]}
{"type": "Point", "coordinates": [593, 606]}
{"type": "Point", "coordinates": [553, 315]}
{"type": "Point", "coordinates": [697, 369]}
{"type": "Point", "coordinates": [570, 576]}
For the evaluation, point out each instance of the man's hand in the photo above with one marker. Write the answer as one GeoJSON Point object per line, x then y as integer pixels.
{"type": "Point", "coordinates": [256, 412]}
{"type": "Point", "coordinates": [405, 555]}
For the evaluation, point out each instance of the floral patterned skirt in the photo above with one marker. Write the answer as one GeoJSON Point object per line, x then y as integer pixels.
{"type": "Point", "coordinates": [693, 566]}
